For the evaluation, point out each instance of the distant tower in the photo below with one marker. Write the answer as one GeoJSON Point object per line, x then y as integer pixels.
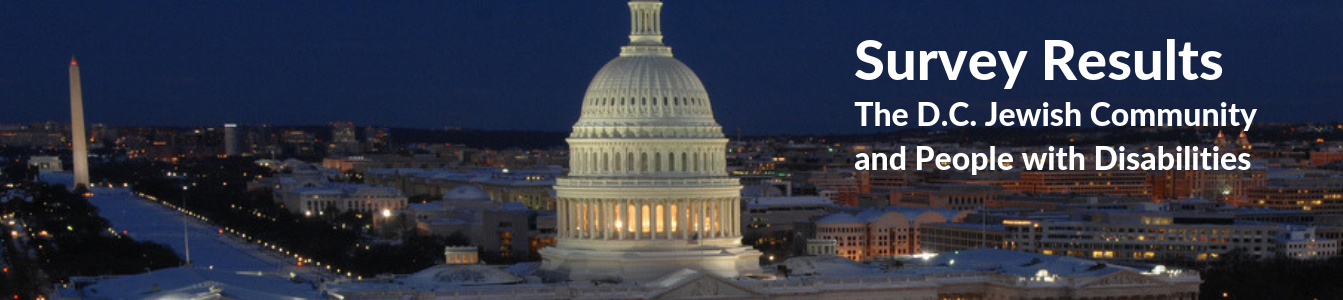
{"type": "Point", "coordinates": [343, 133]}
{"type": "Point", "coordinates": [343, 138]}
{"type": "Point", "coordinates": [1242, 142]}
{"type": "Point", "coordinates": [1221, 141]}
{"type": "Point", "coordinates": [78, 142]}
{"type": "Point", "coordinates": [648, 192]}
{"type": "Point", "coordinates": [231, 140]}
{"type": "Point", "coordinates": [375, 139]}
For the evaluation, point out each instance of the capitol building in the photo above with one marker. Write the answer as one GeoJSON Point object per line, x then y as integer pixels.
{"type": "Point", "coordinates": [648, 192]}
{"type": "Point", "coordinates": [648, 211]}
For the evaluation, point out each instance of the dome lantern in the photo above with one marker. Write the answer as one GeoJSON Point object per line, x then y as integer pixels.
{"type": "Point", "coordinates": [646, 23]}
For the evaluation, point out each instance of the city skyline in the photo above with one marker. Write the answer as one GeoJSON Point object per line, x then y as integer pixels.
{"type": "Point", "coordinates": [459, 64]}
{"type": "Point", "coordinates": [655, 192]}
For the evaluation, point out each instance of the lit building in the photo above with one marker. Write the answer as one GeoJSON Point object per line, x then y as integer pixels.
{"type": "Point", "coordinates": [377, 139]}
{"type": "Point", "coordinates": [765, 215]}
{"type": "Point", "coordinates": [1242, 144]}
{"type": "Point", "coordinates": [880, 232]}
{"type": "Point", "coordinates": [345, 164]}
{"type": "Point", "coordinates": [343, 132]}
{"type": "Point", "coordinates": [821, 247]}
{"type": "Point", "coordinates": [461, 255]}
{"type": "Point", "coordinates": [891, 179]}
{"type": "Point", "coordinates": [947, 237]}
{"type": "Point", "coordinates": [1009, 180]}
{"type": "Point", "coordinates": [1302, 243]}
{"type": "Point", "coordinates": [366, 163]}
{"type": "Point", "coordinates": [531, 187]}
{"type": "Point", "coordinates": [499, 229]}
{"type": "Point", "coordinates": [769, 222]}
{"type": "Point", "coordinates": [231, 147]}
{"type": "Point", "coordinates": [948, 196]}
{"type": "Point", "coordinates": [1228, 186]}
{"type": "Point", "coordinates": [343, 138]}
{"type": "Point", "coordinates": [842, 186]}
{"type": "Point", "coordinates": [648, 192]}
{"type": "Point", "coordinates": [1331, 232]}
{"type": "Point", "coordinates": [46, 163]}
{"type": "Point", "coordinates": [307, 190]}
{"type": "Point", "coordinates": [1323, 195]}
{"type": "Point", "coordinates": [1133, 235]}
{"type": "Point", "coordinates": [1068, 201]}
{"type": "Point", "coordinates": [1323, 157]}
{"type": "Point", "coordinates": [39, 135]}
{"type": "Point", "coordinates": [343, 197]}
{"type": "Point", "coordinates": [1220, 141]}
{"type": "Point", "coordinates": [1130, 183]}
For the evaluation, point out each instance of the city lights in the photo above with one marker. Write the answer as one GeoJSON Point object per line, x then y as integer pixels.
{"type": "Point", "coordinates": [564, 160]}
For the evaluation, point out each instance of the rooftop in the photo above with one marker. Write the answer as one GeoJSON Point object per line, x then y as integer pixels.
{"type": "Point", "coordinates": [789, 201]}
{"type": "Point", "coordinates": [193, 282]}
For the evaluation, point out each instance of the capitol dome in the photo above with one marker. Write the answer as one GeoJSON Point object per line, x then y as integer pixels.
{"type": "Point", "coordinates": [646, 93]}
{"type": "Point", "coordinates": [644, 75]}
{"type": "Point", "coordinates": [646, 90]}
{"type": "Point", "coordinates": [647, 193]}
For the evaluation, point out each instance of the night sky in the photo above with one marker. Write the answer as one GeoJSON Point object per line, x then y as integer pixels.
{"type": "Point", "coordinates": [769, 66]}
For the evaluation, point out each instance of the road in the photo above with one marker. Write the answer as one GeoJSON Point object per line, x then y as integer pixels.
{"type": "Point", "coordinates": [145, 220]}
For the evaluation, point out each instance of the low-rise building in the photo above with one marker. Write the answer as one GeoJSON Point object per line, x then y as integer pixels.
{"type": "Point", "coordinates": [1127, 183]}
{"type": "Point", "coordinates": [766, 215]}
{"type": "Point", "coordinates": [1317, 194]}
{"type": "Point", "coordinates": [1145, 236]}
{"type": "Point", "coordinates": [946, 195]}
{"type": "Point", "coordinates": [531, 187]}
{"type": "Point", "coordinates": [952, 236]}
{"type": "Point", "coordinates": [46, 163]}
{"type": "Point", "coordinates": [342, 197]}
{"type": "Point", "coordinates": [306, 189]}
{"type": "Point", "coordinates": [880, 232]}
{"type": "Point", "coordinates": [506, 230]}
{"type": "Point", "coordinates": [770, 222]}
{"type": "Point", "coordinates": [1301, 242]}
{"type": "Point", "coordinates": [364, 163]}
{"type": "Point", "coordinates": [1223, 185]}
{"type": "Point", "coordinates": [842, 186]}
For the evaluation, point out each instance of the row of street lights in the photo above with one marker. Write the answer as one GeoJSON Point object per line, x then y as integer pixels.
{"type": "Point", "coordinates": [299, 259]}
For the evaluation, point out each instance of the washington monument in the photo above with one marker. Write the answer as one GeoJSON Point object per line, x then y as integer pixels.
{"type": "Point", "coordinates": [78, 142]}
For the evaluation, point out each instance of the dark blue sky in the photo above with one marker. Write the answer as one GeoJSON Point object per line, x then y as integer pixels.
{"type": "Point", "coordinates": [770, 66]}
